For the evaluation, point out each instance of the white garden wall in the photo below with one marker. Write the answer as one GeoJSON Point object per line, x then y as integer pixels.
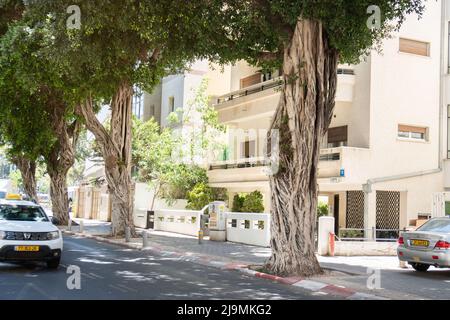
{"type": "Point", "coordinates": [249, 228]}
{"type": "Point", "coordinates": [179, 221]}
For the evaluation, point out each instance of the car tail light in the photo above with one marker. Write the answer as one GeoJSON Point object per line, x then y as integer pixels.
{"type": "Point", "coordinates": [444, 245]}
{"type": "Point", "coordinates": [401, 241]}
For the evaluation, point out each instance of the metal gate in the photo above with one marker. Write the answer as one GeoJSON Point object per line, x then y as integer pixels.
{"type": "Point", "coordinates": [388, 214]}
{"type": "Point", "coordinates": [355, 210]}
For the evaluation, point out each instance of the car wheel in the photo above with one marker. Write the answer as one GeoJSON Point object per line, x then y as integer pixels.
{"type": "Point", "coordinates": [53, 264]}
{"type": "Point", "coordinates": [420, 267]}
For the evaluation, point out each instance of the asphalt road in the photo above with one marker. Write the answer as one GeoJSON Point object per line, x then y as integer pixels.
{"type": "Point", "coordinates": [396, 284]}
{"type": "Point", "coordinates": [112, 272]}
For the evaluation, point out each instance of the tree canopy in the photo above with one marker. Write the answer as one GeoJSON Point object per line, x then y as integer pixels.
{"type": "Point", "coordinates": [258, 31]}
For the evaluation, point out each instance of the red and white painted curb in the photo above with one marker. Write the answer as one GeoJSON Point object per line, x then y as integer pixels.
{"type": "Point", "coordinates": [314, 286]}
{"type": "Point", "coordinates": [317, 287]}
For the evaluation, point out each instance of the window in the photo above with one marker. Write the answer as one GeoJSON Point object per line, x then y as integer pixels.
{"type": "Point", "coordinates": [411, 132]}
{"type": "Point", "coordinates": [138, 103]}
{"type": "Point", "coordinates": [22, 213]}
{"type": "Point", "coordinates": [337, 137]}
{"type": "Point", "coordinates": [171, 104]}
{"type": "Point", "coordinates": [251, 80]}
{"type": "Point", "coordinates": [415, 47]}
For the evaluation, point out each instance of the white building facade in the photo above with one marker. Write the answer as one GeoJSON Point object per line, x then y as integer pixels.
{"type": "Point", "coordinates": [386, 152]}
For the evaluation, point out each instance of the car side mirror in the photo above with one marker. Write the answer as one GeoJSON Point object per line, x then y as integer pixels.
{"type": "Point", "coordinates": [55, 221]}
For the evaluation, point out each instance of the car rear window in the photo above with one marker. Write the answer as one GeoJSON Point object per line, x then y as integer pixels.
{"type": "Point", "coordinates": [22, 213]}
{"type": "Point", "coordinates": [438, 225]}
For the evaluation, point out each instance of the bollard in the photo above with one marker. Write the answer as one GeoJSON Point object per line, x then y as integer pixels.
{"type": "Point", "coordinates": [331, 245]}
{"type": "Point", "coordinates": [127, 234]}
{"type": "Point", "coordinates": [144, 239]}
{"type": "Point", "coordinates": [200, 236]}
{"type": "Point", "coordinates": [69, 226]}
{"type": "Point", "coordinates": [81, 226]}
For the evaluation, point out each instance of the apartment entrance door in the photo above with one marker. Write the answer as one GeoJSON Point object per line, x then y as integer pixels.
{"type": "Point", "coordinates": [336, 213]}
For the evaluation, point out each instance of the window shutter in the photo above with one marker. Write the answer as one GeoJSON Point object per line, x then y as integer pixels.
{"type": "Point", "coordinates": [405, 128]}
{"type": "Point", "coordinates": [337, 134]}
{"type": "Point", "coordinates": [415, 47]}
{"type": "Point", "coordinates": [251, 80]}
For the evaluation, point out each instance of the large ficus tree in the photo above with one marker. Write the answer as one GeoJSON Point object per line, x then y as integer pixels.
{"type": "Point", "coordinates": [307, 39]}
{"type": "Point", "coordinates": [104, 49]}
{"type": "Point", "coordinates": [38, 119]}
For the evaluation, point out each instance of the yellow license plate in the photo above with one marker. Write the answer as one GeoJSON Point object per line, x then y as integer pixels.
{"type": "Point", "coordinates": [27, 248]}
{"type": "Point", "coordinates": [420, 243]}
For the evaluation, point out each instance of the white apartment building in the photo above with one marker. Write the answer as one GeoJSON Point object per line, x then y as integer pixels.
{"type": "Point", "coordinates": [383, 157]}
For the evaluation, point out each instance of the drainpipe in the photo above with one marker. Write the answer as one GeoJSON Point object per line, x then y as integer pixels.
{"type": "Point", "coordinates": [367, 187]}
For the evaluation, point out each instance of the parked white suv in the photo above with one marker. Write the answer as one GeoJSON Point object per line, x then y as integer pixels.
{"type": "Point", "coordinates": [27, 234]}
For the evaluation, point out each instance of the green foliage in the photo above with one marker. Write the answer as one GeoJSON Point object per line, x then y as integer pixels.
{"type": "Point", "coordinates": [182, 179]}
{"type": "Point", "coordinates": [10, 11]}
{"type": "Point", "coordinates": [16, 180]}
{"type": "Point", "coordinates": [200, 196]}
{"type": "Point", "coordinates": [202, 132]}
{"type": "Point", "coordinates": [153, 156]}
{"type": "Point", "coordinates": [134, 42]}
{"type": "Point", "coordinates": [253, 203]}
{"type": "Point", "coordinates": [258, 31]}
{"type": "Point", "coordinates": [322, 209]}
{"type": "Point", "coordinates": [83, 151]}
{"type": "Point", "coordinates": [249, 203]}
{"type": "Point", "coordinates": [238, 203]}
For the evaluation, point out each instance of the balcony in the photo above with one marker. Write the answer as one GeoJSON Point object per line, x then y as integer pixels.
{"type": "Point", "coordinates": [343, 164]}
{"type": "Point", "coordinates": [347, 164]}
{"type": "Point", "coordinates": [241, 171]}
{"type": "Point", "coordinates": [261, 100]}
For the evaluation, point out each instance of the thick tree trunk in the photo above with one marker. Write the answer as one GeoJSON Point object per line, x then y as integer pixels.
{"type": "Point", "coordinates": [115, 146]}
{"type": "Point", "coordinates": [59, 197]}
{"type": "Point", "coordinates": [302, 118]}
{"type": "Point", "coordinates": [59, 161]}
{"type": "Point", "coordinates": [27, 169]}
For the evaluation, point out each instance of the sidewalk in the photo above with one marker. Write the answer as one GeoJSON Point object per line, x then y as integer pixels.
{"type": "Point", "coordinates": [345, 277]}
{"type": "Point", "coordinates": [168, 241]}
{"type": "Point", "coordinates": [238, 253]}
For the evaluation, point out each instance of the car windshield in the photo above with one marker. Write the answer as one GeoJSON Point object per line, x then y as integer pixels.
{"type": "Point", "coordinates": [438, 225]}
{"type": "Point", "coordinates": [22, 213]}
{"type": "Point", "coordinates": [2, 194]}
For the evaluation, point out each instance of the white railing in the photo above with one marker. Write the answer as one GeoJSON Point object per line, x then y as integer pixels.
{"type": "Point", "coordinates": [239, 163]}
{"type": "Point", "coordinates": [262, 86]}
{"type": "Point", "coordinates": [179, 221]}
{"type": "Point", "coordinates": [249, 228]}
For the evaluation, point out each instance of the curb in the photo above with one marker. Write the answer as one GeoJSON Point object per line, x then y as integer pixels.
{"type": "Point", "coordinates": [310, 285]}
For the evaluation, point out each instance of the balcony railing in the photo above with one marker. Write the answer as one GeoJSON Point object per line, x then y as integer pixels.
{"type": "Point", "coordinates": [266, 85]}
{"type": "Point", "coordinates": [239, 163]}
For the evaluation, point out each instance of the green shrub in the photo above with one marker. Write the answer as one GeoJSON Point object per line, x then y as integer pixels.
{"type": "Point", "coordinates": [200, 196]}
{"type": "Point", "coordinates": [253, 203]}
{"type": "Point", "coordinates": [322, 209]}
{"type": "Point", "coordinates": [238, 202]}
